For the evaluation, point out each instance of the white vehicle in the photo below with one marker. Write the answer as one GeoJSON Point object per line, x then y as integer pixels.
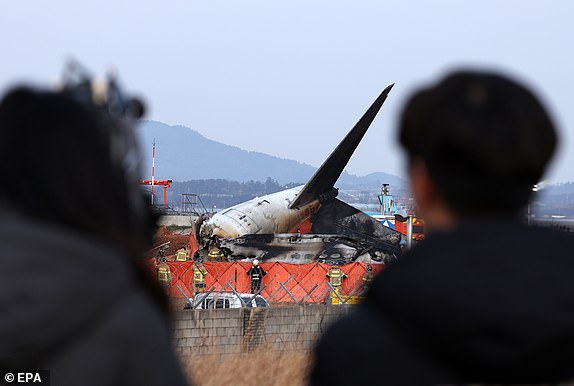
{"type": "Point", "coordinates": [227, 300]}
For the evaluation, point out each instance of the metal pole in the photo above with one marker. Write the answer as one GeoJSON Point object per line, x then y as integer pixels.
{"type": "Point", "coordinates": [165, 196]}
{"type": "Point", "coordinates": [335, 292]}
{"type": "Point", "coordinates": [353, 292]}
{"type": "Point", "coordinates": [152, 171]}
{"type": "Point", "coordinates": [257, 293]}
{"type": "Point", "coordinates": [327, 290]}
{"type": "Point", "coordinates": [309, 293]}
{"type": "Point", "coordinates": [228, 284]}
{"type": "Point", "coordinates": [238, 296]}
{"type": "Point", "coordinates": [278, 289]}
{"type": "Point", "coordinates": [189, 301]}
{"type": "Point", "coordinates": [409, 231]}
{"type": "Point", "coordinates": [289, 293]}
{"type": "Point", "coordinates": [202, 298]}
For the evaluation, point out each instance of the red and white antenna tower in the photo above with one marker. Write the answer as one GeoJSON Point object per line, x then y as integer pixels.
{"type": "Point", "coordinates": [152, 171]}
{"type": "Point", "coordinates": [153, 182]}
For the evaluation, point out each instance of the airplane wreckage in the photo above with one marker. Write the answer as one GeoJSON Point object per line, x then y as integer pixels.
{"type": "Point", "coordinates": [302, 224]}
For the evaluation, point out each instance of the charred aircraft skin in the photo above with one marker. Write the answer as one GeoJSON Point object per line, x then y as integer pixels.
{"type": "Point", "coordinates": [305, 223]}
{"type": "Point", "coordinates": [306, 249]}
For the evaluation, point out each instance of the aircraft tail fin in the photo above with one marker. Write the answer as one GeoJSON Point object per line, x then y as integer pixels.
{"type": "Point", "coordinates": [325, 177]}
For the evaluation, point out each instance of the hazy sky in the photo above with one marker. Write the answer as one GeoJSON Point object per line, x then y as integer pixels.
{"type": "Point", "coordinates": [290, 78]}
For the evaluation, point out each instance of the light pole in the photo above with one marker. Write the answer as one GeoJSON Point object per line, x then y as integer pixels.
{"type": "Point", "coordinates": [535, 189]}
{"type": "Point", "coordinates": [409, 231]}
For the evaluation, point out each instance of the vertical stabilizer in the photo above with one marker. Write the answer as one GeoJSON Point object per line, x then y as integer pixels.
{"type": "Point", "coordinates": [326, 176]}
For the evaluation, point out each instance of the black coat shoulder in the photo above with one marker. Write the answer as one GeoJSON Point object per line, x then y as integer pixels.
{"type": "Point", "coordinates": [485, 303]}
{"type": "Point", "coordinates": [362, 349]}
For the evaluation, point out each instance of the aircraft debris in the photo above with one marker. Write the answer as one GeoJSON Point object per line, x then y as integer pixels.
{"type": "Point", "coordinates": [306, 223]}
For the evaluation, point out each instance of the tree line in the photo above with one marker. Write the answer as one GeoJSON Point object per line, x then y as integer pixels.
{"type": "Point", "coordinates": [222, 193]}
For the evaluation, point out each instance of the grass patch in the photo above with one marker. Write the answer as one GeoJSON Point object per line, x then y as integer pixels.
{"type": "Point", "coordinates": [260, 367]}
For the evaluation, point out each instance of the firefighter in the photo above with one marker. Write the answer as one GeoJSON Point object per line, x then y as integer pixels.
{"type": "Point", "coordinates": [163, 272]}
{"type": "Point", "coordinates": [182, 255]}
{"type": "Point", "coordinates": [199, 273]}
{"type": "Point", "coordinates": [256, 274]}
{"type": "Point", "coordinates": [336, 276]}
{"type": "Point", "coordinates": [368, 278]}
{"type": "Point", "coordinates": [215, 254]}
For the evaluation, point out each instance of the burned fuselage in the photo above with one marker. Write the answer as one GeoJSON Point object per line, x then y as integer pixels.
{"type": "Point", "coordinates": [268, 229]}
{"type": "Point", "coordinates": [305, 248]}
{"type": "Point", "coordinates": [303, 224]}
{"type": "Point", "coordinates": [268, 214]}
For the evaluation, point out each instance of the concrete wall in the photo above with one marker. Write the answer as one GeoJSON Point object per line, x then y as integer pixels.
{"type": "Point", "coordinates": [240, 330]}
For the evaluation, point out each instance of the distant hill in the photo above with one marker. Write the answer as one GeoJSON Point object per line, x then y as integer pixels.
{"type": "Point", "coordinates": [183, 154]}
{"type": "Point", "coordinates": [374, 180]}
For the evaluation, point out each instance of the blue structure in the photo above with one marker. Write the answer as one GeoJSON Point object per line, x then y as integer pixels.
{"type": "Point", "coordinates": [387, 201]}
{"type": "Point", "coordinates": [387, 221]}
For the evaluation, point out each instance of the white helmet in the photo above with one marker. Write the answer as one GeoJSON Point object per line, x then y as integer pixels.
{"type": "Point", "coordinates": [255, 262]}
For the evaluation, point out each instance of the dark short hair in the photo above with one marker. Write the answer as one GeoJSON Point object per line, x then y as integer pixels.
{"type": "Point", "coordinates": [57, 164]}
{"type": "Point", "coordinates": [484, 138]}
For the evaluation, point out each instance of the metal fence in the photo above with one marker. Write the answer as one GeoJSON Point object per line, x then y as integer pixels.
{"type": "Point", "coordinates": [284, 283]}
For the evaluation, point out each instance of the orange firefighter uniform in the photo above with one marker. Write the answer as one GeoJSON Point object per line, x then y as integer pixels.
{"type": "Point", "coordinates": [215, 255]}
{"type": "Point", "coordinates": [163, 273]}
{"type": "Point", "coordinates": [199, 273]}
{"type": "Point", "coordinates": [181, 255]}
{"type": "Point", "coordinates": [336, 276]}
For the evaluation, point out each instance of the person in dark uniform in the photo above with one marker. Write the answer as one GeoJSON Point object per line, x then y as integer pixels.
{"type": "Point", "coordinates": [256, 274]}
{"type": "Point", "coordinates": [484, 299]}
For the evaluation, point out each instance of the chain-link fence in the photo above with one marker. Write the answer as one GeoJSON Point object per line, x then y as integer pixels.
{"type": "Point", "coordinates": [228, 285]}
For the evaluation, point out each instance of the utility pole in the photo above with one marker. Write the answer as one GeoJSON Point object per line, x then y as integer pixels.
{"type": "Point", "coordinates": [535, 188]}
{"type": "Point", "coordinates": [409, 231]}
{"type": "Point", "coordinates": [152, 171]}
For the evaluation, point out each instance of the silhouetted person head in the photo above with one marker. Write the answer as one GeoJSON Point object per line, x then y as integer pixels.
{"type": "Point", "coordinates": [74, 226]}
{"type": "Point", "coordinates": [476, 143]}
{"type": "Point", "coordinates": [67, 162]}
